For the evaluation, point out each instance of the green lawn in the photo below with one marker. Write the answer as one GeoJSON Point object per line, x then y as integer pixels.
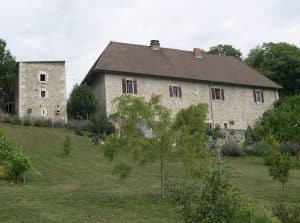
{"type": "Point", "coordinates": [80, 188]}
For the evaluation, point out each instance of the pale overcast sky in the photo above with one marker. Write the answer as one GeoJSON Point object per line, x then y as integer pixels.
{"type": "Point", "coordinates": [77, 31]}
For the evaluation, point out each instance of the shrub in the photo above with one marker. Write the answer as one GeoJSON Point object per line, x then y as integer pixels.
{"type": "Point", "coordinates": [216, 201]}
{"type": "Point", "coordinates": [231, 148]}
{"type": "Point", "coordinates": [257, 148]}
{"type": "Point", "coordinates": [78, 132]}
{"type": "Point", "coordinates": [27, 121]}
{"type": "Point", "coordinates": [16, 164]}
{"type": "Point", "coordinates": [67, 145]}
{"type": "Point", "coordinates": [58, 124]}
{"type": "Point", "coordinates": [286, 212]}
{"type": "Point", "coordinates": [13, 119]}
{"type": "Point", "coordinates": [40, 122]}
{"type": "Point", "coordinates": [100, 126]}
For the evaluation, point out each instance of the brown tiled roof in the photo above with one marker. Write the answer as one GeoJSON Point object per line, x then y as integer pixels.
{"type": "Point", "coordinates": [141, 59]}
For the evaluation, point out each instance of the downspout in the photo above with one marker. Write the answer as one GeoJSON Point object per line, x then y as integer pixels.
{"type": "Point", "coordinates": [211, 105]}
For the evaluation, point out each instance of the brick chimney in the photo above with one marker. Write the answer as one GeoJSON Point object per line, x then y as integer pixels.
{"type": "Point", "coordinates": [155, 45]}
{"type": "Point", "coordinates": [197, 53]}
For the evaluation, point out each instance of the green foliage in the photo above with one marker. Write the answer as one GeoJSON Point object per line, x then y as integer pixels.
{"type": "Point", "coordinates": [231, 148]}
{"type": "Point", "coordinates": [279, 163]}
{"type": "Point", "coordinates": [225, 50]}
{"type": "Point", "coordinates": [122, 171]}
{"type": "Point", "coordinates": [78, 132]}
{"type": "Point", "coordinates": [147, 133]}
{"type": "Point", "coordinates": [100, 126]}
{"type": "Point", "coordinates": [16, 164]}
{"type": "Point", "coordinates": [191, 137]}
{"type": "Point", "coordinates": [67, 147]}
{"type": "Point", "coordinates": [286, 212]}
{"type": "Point", "coordinates": [282, 122]}
{"type": "Point", "coordinates": [27, 121]}
{"type": "Point", "coordinates": [40, 122]}
{"type": "Point", "coordinates": [8, 70]}
{"type": "Point", "coordinates": [280, 62]}
{"type": "Point", "coordinates": [82, 102]}
{"type": "Point", "coordinates": [214, 201]}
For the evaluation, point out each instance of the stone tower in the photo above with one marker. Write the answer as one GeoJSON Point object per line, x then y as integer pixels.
{"type": "Point", "coordinates": [40, 90]}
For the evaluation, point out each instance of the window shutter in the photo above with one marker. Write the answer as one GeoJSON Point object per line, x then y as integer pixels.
{"type": "Point", "coordinates": [171, 92]}
{"type": "Point", "coordinates": [262, 97]}
{"type": "Point", "coordinates": [222, 94]}
{"type": "Point", "coordinates": [179, 91]}
{"type": "Point", "coordinates": [134, 86]}
{"type": "Point", "coordinates": [254, 96]}
{"type": "Point", "coordinates": [124, 86]}
{"type": "Point", "coordinates": [213, 95]}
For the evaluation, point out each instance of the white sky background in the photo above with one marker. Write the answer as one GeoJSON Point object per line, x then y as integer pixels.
{"type": "Point", "coordinates": [77, 31]}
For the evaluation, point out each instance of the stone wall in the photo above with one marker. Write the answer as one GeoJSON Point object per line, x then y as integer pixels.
{"type": "Point", "coordinates": [238, 106]}
{"type": "Point", "coordinates": [30, 87]}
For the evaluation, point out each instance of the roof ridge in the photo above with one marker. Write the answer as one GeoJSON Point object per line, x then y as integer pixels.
{"type": "Point", "coordinates": [142, 45]}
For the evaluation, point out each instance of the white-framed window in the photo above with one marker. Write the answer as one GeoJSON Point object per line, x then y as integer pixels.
{"type": "Point", "coordinates": [175, 91]}
{"type": "Point", "coordinates": [43, 77]}
{"type": "Point", "coordinates": [258, 96]}
{"type": "Point", "coordinates": [129, 86]}
{"type": "Point", "coordinates": [217, 94]}
{"type": "Point", "coordinates": [44, 112]}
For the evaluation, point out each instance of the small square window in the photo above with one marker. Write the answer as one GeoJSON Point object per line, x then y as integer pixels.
{"type": "Point", "coordinates": [43, 94]}
{"type": "Point", "coordinates": [43, 77]}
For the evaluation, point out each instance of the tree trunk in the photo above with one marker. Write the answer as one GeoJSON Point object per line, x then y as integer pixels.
{"type": "Point", "coordinates": [162, 180]}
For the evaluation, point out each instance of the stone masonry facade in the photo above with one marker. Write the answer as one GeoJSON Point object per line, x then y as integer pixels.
{"type": "Point", "coordinates": [236, 111]}
{"type": "Point", "coordinates": [41, 90]}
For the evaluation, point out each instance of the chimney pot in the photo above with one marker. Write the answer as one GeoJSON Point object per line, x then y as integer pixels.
{"type": "Point", "coordinates": [155, 45]}
{"type": "Point", "coordinates": [197, 53]}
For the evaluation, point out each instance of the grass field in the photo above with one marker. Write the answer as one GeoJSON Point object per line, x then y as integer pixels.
{"type": "Point", "coordinates": [81, 188]}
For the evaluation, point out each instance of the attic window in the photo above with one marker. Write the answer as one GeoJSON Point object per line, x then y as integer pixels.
{"type": "Point", "coordinates": [217, 94]}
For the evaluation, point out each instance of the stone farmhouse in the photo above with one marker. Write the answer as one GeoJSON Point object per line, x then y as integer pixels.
{"type": "Point", "coordinates": [39, 91]}
{"type": "Point", "coordinates": [236, 94]}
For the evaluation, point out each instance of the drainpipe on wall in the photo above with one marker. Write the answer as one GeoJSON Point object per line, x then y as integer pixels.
{"type": "Point", "coordinates": [211, 106]}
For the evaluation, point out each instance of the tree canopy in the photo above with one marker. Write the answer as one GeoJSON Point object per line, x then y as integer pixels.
{"type": "Point", "coordinates": [8, 70]}
{"type": "Point", "coordinates": [148, 133]}
{"type": "Point", "coordinates": [225, 50]}
{"type": "Point", "coordinates": [282, 122]}
{"type": "Point", "coordinates": [280, 62]}
{"type": "Point", "coordinates": [82, 102]}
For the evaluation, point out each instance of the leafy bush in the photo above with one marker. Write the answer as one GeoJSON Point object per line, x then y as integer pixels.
{"type": "Point", "coordinates": [216, 201]}
{"type": "Point", "coordinates": [40, 122]}
{"type": "Point", "coordinates": [257, 148]}
{"type": "Point", "coordinates": [67, 145]}
{"type": "Point", "coordinates": [286, 212]}
{"type": "Point", "coordinates": [100, 126]}
{"type": "Point", "coordinates": [13, 119]}
{"type": "Point", "coordinates": [27, 121]}
{"type": "Point", "coordinates": [58, 124]}
{"type": "Point", "coordinates": [78, 132]}
{"type": "Point", "coordinates": [231, 148]}
{"type": "Point", "coordinates": [16, 164]}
